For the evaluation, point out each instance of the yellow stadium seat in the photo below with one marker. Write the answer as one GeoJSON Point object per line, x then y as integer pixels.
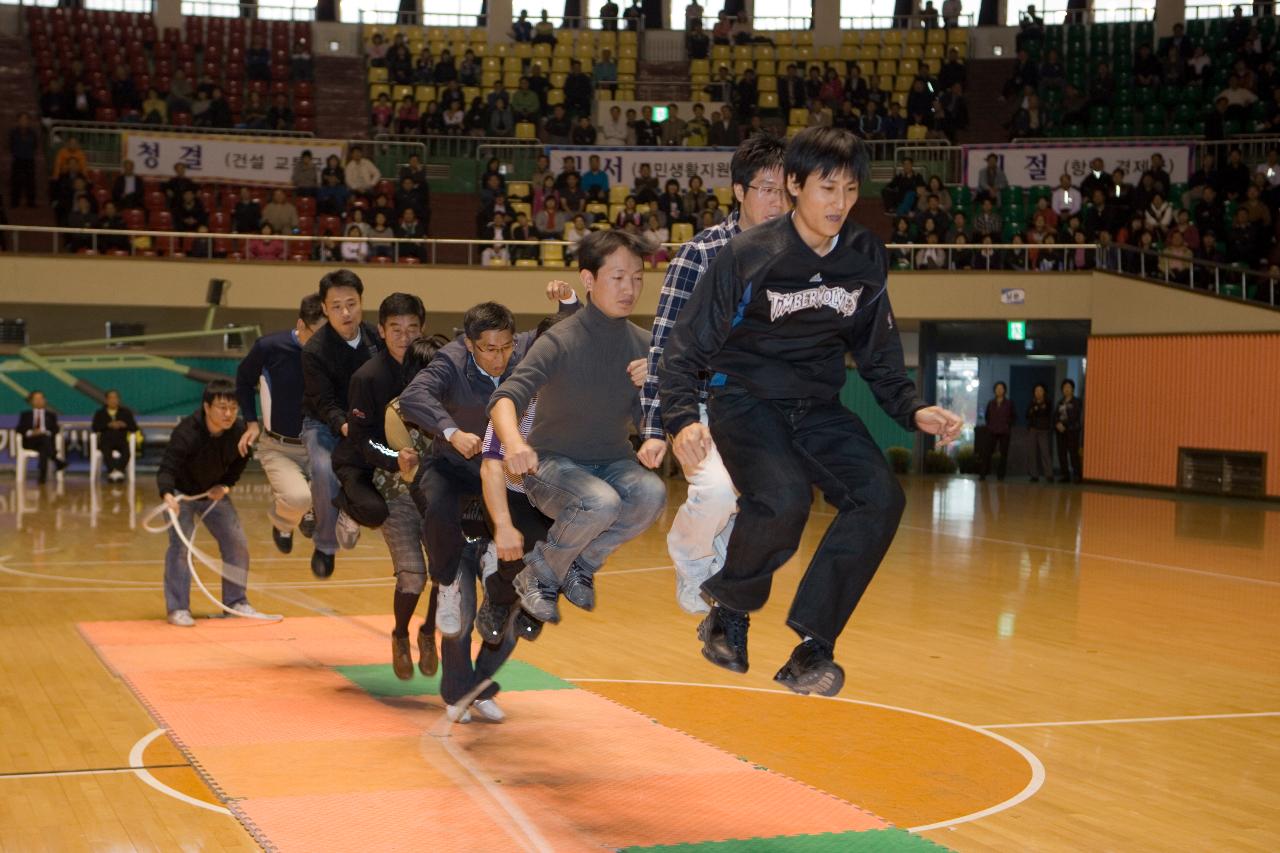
{"type": "Point", "coordinates": [913, 51]}
{"type": "Point", "coordinates": [826, 53]}
{"type": "Point", "coordinates": [848, 53]}
{"type": "Point", "coordinates": [720, 53]}
{"type": "Point", "coordinates": [643, 209]}
{"type": "Point", "coordinates": [377, 75]}
{"type": "Point", "coordinates": [400, 92]}
{"type": "Point", "coordinates": [934, 51]}
{"type": "Point", "coordinates": [564, 37]}
{"type": "Point", "coordinates": [511, 79]}
{"type": "Point", "coordinates": [798, 116]}
{"type": "Point", "coordinates": [618, 194]}
{"type": "Point", "coordinates": [424, 92]}
{"type": "Point", "coordinates": [934, 66]}
{"type": "Point", "coordinates": [768, 83]}
{"type": "Point", "coordinates": [491, 63]}
{"type": "Point", "coordinates": [627, 66]}
{"type": "Point", "coordinates": [557, 79]}
{"type": "Point", "coordinates": [956, 35]}
{"type": "Point", "coordinates": [724, 195]}
{"type": "Point", "coordinates": [598, 209]}
{"type": "Point", "coordinates": [768, 101]}
{"type": "Point", "coordinates": [908, 66]}
{"type": "Point", "coordinates": [604, 95]}
{"type": "Point", "coordinates": [489, 79]}
{"type": "Point", "coordinates": [915, 36]}
{"type": "Point", "coordinates": [542, 49]}
{"type": "Point", "coordinates": [526, 262]}
{"type": "Point", "coordinates": [867, 67]}
{"type": "Point", "coordinates": [555, 96]}
{"type": "Point", "coordinates": [681, 232]}
{"type": "Point", "coordinates": [698, 66]}
{"type": "Point", "coordinates": [699, 81]}
{"type": "Point", "coordinates": [628, 51]}
{"type": "Point", "coordinates": [962, 48]}
{"type": "Point", "coordinates": [792, 130]}
{"type": "Point", "coordinates": [526, 130]}
{"type": "Point", "coordinates": [523, 49]}
{"type": "Point", "coordinates": [887, 66]}
{"type": "Point", "coordinates": [741, 65]}
{"type": "Point", "coordinates": [519, 189]}
{"type": "Point", "coordinates": [552, 254]}
{"type": "Point", "coordinates": [624, 94]}
{"type": "Point", "coordinates": [886, 83]}
{"type": "Point", "coordinates": [498, 261]}
{"type": "Point", "coordinates": [804, 53]}
{"type": "Point", "coordinates": [899, 98]}
{"type": "Point", "coordinates": [935, 36]}
{"type": "Point", "coordinates": [470, 93]}
{"type": "Point", "coordinates": [869, 51]}
{"type": "Point", "coordinates": [479, 35]}
{"type": "Point", "coordinates": [803, 37]}
{"type": "Point", "coordinates": [627, 37]}
{"type": "Point", "coordinates": [379, 89]}
{"type": "Point", "coordinates": [524, 207]}
{"type": "Point", "coordinates": [851, 37]}
{"type": "Point", "coordinates": [762, 51]}
{"type": "Point", "coordinates": [436, 34]}
{"type": "Point", "coordinates": [766, 68]}
{"type": "Point", "coordinates": [741, 51]}
{"type": "Point", "coordinates": [902, 83]}
{"type": "Point", "coordinates": [615, 209]}
{"type": "Point", "coordinates": [786, 54]}
{"type": "Point", "coordinates": [891, 37]}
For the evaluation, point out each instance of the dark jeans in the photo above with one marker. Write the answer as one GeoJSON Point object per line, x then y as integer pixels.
{"type": "Point", "coordinates": [988, 448]}
{"type": "Point", "coordinates": [775, 452]}
{"type": "Point", "coordinates": [223, 523]}
{"type": "Point", "coordinates": [358, 497]}
{"type": "Point", "coordinates": [22, 182]}
{"type": "Point", "coordinates": [458, 676]}
{"type": "Point", "coordinates": [1069, 452]}
{"type": "Point", "coordinates": [533, 526]}
{"type": "Point", "coordinates": [112, 442]}
{"type": "Point", "coordinates": [43, 445]}
{"type": "Point", "coordinates": [438, 492]}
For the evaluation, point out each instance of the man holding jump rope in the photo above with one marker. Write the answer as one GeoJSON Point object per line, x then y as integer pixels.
{"type": "Point", "coordinates": [200, 466]}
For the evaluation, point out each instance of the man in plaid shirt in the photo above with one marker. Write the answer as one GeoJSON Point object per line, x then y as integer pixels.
{"type": "Point", "coordinates": [700, 531]}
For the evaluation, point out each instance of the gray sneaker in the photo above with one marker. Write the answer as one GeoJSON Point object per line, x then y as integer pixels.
{"type": "Point", "coordinates": [537, 597]}
{"type": "Point", "coordinates": [347, 531]}
{"type": "Point", "coordinates": [579, 588]}
{"type": "Point", "coordinates": [449, 608]}
{"type": "Point", "coordinates": [182, 619]}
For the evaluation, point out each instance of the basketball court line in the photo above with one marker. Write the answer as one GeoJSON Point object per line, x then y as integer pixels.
{"type": "Point", "coordinates": [1029, 791]}
{"type": "Point", "coordinates": [140, 770]}
{"type": "Point", "coordinates": [1123, 720]}
{"type": "Point", "coordinates": [92, 771]}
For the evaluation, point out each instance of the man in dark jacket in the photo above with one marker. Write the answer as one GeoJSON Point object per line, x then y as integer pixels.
{"type": "Point", "coordinates": [772, 319]}
{"type": "Point", "coordinates": [114, 424]}
{"type": "Point", "coordinates": [38, 427]}
{"type": "Point", "coordinates": [1068, 421]}
{"type": "Point", "coordinates": [203, 458]}
{"type": "Point", "coordinates": [329, 360]}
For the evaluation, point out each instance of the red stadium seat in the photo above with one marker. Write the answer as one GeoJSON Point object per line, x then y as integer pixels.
{"type": "Point", "coordinates": [219, 222]}
{"type": "Point", "coordinates": [135, 220]}
{"type": "Point", "coordinates": [305, 123]}
{"type": "Point", "coordinates": [385, 187]}
{"type": "Point", "coordinates": [104, 114]}
{"type": "Point", "coordinates": [161, 220]}
{"type": "Point", "coordinates": [180, 119]}
{"type": "Point", "coordinates": [331, 225]}
{"type": "Point", "coordinates": [380, 259]}
{"type": "Point", "coordinates": [304, 107]}
{"type": "Point", "coordinates": [303, 89]}
{"type": "Point", "coordinates": [306, 205]}
{"type": "Point", "coordinates": [409, 259]}
{"type": "Point", "coordinates": [101, 196]}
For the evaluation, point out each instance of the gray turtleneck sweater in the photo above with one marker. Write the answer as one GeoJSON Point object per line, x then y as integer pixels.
{"type": "Point", "coordinates": [586, 401]}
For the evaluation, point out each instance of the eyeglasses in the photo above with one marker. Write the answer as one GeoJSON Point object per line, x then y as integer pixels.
{"type": "Point", "coordinates": [487, 350]}
{"type": "Point", "coordinates": [229, 408]}
{"type": "Point", "coordinates": [772, 193]}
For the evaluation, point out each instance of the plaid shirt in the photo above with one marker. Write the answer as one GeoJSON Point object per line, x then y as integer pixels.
{"type": "Point", "coordinates": [682, 275]}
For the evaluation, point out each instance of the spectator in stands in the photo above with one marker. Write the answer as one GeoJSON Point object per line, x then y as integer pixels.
{"type": "Point", "coordinates": [126, 189]}
{"type": "Point", "coordinates": [595, 181]}
{"type": "Point", "coordinates": [1239, 99]}
{"type": "Point", "coordinates": [246, 218]}
{"type": "Point", "coordinates": [1121, 192]}
{"type": "Point", "coordinates": [524, 102]}
{"type": "Point", "coordinates": [469, 69]}
{"type": "Point", "coordinates": [1025, 73]}
{"type": "Point", "coordinates": [301, 65]}
{"type": "Point", "coordinates": [263, 248]}
{"type": "Point", "coordinates": [791, 89]}
{"type": "Point", "coordinates": [476, 120]}
{"type": "Point", "coordinates": [280, 116]}
{"type": "Point", "coordinates": [382, 113]}
{"type": "Point", "coordinates": [605, 72]}
{"type": "Point", "coordinates": [1183, 225]}
{"type": "Point", "coordinates": [432, 120]}
{"type": "Point", "coordinates": [645, 131]}
{"type": "Point", "coordinates": [54, 103]}
{"type": "Point", "coordinates": [178, 98]}
{"type": "Point", "coordinates": [81, 105]}
{"type": "Point", "coordinates": [544, 32]}
{"type": "Point", "coordinates": [549, 222]}
{"type": "Point", "coordinates": [920, 101]}
{"type": "Point", "coordinates": [424, 68]}
{"type": "Point", "coordinates": [399, 62]}
{"type": "Point", "coordinates": [656, 233]}
{"type": "Point", "coordinates": [81, 216]}
{"type": "Point", "coordinates": [1175, 259]}
{"type": "Point", "coordinates": [410, 228]}
{"type": "Point", "coordinates": [305, 177]}
{"type": "Point", "coordinates": [954, 116]}
{"type": "Point", "coordinates": [556, 127]}
{"type": "Point", "coordinates": [831, 94]}
{"type": "Point", "coordinates": [694, 201]}
{"type": "Point", "coordinates": [673, 129]}
{"type": "Point", "coordinates": [747, 94]}
{"type": "Point", "coordinates": [253, 115]}
{"type": "Point", "coordinates": [1029, 121]}
{"type": "Point", "coordinates": [952, 71]}
{"type": "Point", "coordinates": [1066, 199]}
{"type": "Point", "coordinates": [333, 166]}
{"type": "Point", "coordinates": [23, 141]}
{"type": "Point", "coordinates": [670, 205]}
{"type": "Point", "coordinates": [1100, 216]}
{"type": "Point", "coordinates": [361, 175]}
{"type": "Point", "coordinates": [502, 121]}
{"type": "Point", "coordinates": [988, 222]}
{"type": "Point", "coordinates": [218, 113]}
{"type": "Point", "coordinates": [583, 133]}
{"type": "Point", "coordinates": [870, 123]}
{"type": "Point", "coordinates": [1233, 177]}
{"type": "Point", "coordinates": [895, 124]}
{"type": "Point", "coordinates": [446, 71]}
{"type": "Point", "coordinates": [545, 191]}
{"type": "Point", "coordinates": [932, 216]}
{"type": "Point", "coordinates": [540, 85]}
{"type": "Point", "coordinates": [712, 215]}
{"type": "Point", "coordinates": [495, 254]}
{"type": "Point", "coordinates": [574, 233]}
{"type": "Point", "coordinates": [722, 88]}
{"type": "Point", "coordinates": [1102, 87]}
{"type": "Point", "coordinates": [356, 217]}
{"type": "Point", "coordinates": [1158, 215]}
{"type": "Point", "coordinates": [1146, 68]}
{"type": "Point", "coordinates": [189, 214]}
{"type": "Point", "coordinates": [901, 193]}
{"type": "Point", "coordinates": [327, 249]}
{"type": "Point", "coordinates": [332, 196]}
{"type": "Point", "coordinates": [355, 249]}
{"type": "Point", "coordinates": [258, 60]}
{"type": "Point", "coordinates": [1198, 65]}
{"type": "Point", "coordinates": [629, 215]}
{"type": "Point", "coordinates": [281, 214]}
{"type": "Point", "coordinates": [577, 90]}
{"type": "Point", "coordinates": [697, 130]}
{"type": "Point", "coordinates": [645, 186]}
{"type": "Point", "coordinates": [521, 29]}
{"type": "Point", "coordinates": [725, 132]}
{"type": "Point", "coordinates": [380, 236]}
{"type": "Point", "coordinates": [523, 231]}
{"type": "Point", "coordinates": [1052, 75]}
{"type": "Point", "coordinates": [1096, 179]}
{"type": "Point", "coordinates": [69, 155]}
{"type": "Point", "coordinates": [951, 13]}
{"type": "Point", "coordinates": [124, 95]}
{"type": "Point", "coordinates": [154, 108]}
{"type": "Point", "coordinates": [1173, 69]}
{"type": "Point", "coordinates": [573, 201]}
{"type": "Point", "coordinates": [609, 16]}
{"type": "Point", "coordinates": [413, 195]}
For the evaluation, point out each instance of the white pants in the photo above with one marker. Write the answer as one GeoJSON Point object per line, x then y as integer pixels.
{"type": "Point", "coordinates": [286, 467]}
{"type": "Point", "coordinates": [699, 534]}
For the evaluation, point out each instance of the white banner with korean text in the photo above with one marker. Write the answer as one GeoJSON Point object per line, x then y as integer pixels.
{"type": "Point", "coordinates": [1032, 164]}
{"type": "Point", "coordinates": [623, 164]}
{"type": "Point", "coordinates": [224, 158]}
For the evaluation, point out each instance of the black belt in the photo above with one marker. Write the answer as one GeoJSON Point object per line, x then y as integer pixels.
{"type": "Point", "coordinates": [296, 442]}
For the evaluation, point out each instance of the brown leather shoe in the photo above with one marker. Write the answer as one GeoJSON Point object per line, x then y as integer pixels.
{"type": "Point", "coordinates": [401, 659]}
{"type": "Point", "coordinates": [428, 660]}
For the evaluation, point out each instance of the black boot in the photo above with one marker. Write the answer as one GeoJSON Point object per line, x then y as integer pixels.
{"type": "Point", "coordinates": [811, 669]}
{"type": "Point", "coordinates": [724, 638]}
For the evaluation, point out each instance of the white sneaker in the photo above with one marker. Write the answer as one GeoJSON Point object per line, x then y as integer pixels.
{"type": "Point", "coordinates": [116, 477]}
{"type": "Point", "coordinates": [346, 531]}
{"type": "Point", "coordinates": [244, 608]}
{"type": "Point", "coordinates": [449, 608]}
{"type": "Point", "coordinates": [458, 713]}
{"type": "Point", "coordinates": [489, 561]}
{"type": "Point", "coordinates": [488, 711]}
{"type": "Point", "coordinates": [182, 619]}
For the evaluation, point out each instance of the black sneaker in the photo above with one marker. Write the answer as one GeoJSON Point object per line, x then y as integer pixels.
{"type": "Point", "coordinates": [491, 621]}
{"type": "Point", "coordinates": [811, 669]}
{"type": "Point", "coordinates": [284, 541]}
{"type": "Point", "coordinates": [579, 588]}
{"type": "Point", "coordinates": [526, 627]}
{"type": "Point", "coordinates": [308, 524]}
{"type": "Point", "coordinates": [321, 564]}
{"type": "Point", "coordinates": [724, 638]}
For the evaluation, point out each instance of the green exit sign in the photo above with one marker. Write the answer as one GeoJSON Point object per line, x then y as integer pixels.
{"type": "Point", "coordinates": [1017, 330]}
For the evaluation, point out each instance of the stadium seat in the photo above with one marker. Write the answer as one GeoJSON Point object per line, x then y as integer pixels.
{"type": "Point", "coordinates": [681, 232]}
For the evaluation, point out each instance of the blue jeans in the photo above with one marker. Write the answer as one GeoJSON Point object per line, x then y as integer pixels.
{"type": "Point", "coordinates": [458, 675]}
{"type": "Point", "coordinates": [324, 483]}
{"type": "Point", "coordinates": [223, 523]}
{"type": "Point", "coordinates": [596, 507]}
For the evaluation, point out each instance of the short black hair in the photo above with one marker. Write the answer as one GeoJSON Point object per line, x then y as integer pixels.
{"type": "Point", "coordinates": [115, 391]}
{"type": "Point", "coordinates": [760, 152]}
{"type": "Point", "coordinates": [599, 245]}
{"type": "Point", "coordinates": [311, 309]}
{"type": "Point", "coordinates": [546, 323]}
{"type": "Point", "coordinates": [422, 350]}
{"type": "Point", "coordinates": [1000, 385]}
{"type": "Point", "coordinates": [32, 394]}
{"type": "Point", "coordinates": [401, 305]}
{"type": "Point", "coordinates": [219, 389]}
{"type": "Point", "coordinates": [1070, 382]}
{"type": "Point", "coordinates": [340, 278]}
{"type": "Point", "coordinates": [487, 317]}
{"type": "Point", "coordinates": [826, 151]}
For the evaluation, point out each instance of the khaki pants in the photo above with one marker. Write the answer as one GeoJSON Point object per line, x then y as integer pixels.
{"type": "Point", "coordinates": [286, 467]}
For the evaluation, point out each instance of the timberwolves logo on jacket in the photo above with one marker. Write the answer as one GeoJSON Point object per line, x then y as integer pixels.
{"type": "Point", "coordinates": [844, 302]}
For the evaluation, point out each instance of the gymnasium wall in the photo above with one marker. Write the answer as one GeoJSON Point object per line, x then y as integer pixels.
{"type": "Point", "coordinates": [1151, 394]}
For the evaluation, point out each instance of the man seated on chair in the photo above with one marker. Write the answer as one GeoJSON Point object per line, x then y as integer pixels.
{"type": "Point", "coordinates": [114, 424]}
{"type": "Point", "coordinates": [38, 427]}
{"type": "Point", "coordinates": [203, 458]}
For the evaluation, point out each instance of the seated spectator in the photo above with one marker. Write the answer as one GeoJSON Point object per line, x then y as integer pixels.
{"type": "Point", "coordinates": [595, 182]}
{"type": "Point", "coordinates": [280, 116]}
{"type": "Point", "coordinates": [525, 104]}
{"type": "Point", "coordinates": [246, 218]}
{"type": "Point", "coordinates": [1025, 73]}
{"type": "Point", "coordinates": [253, 115]}
{"type": "Point", "coordinates": [1259, 213]}
{"type": "Point", "coordinates": [1183, 225]}
{"type": "Point", "coordinates": [523, 231]}
{"type": "Point", "coordinates": [301, 65]}
{"type": "Point", "coordinates": [713, 211]}
{"type": "Point", "coordinates": [549, 222]}
{"type": "Point", "coordinates": [988, 222]}
{"type": "Point", "coordinates": [987, 258]}
{"type": "Point", "coordinates": [952, 71]}
{"type": "Point", "coordinates": [605, 71]}
{"type": "Point", "coordinates": [917, 129]}
{"type": "Point", "coordinates": [629, 215]}
{"type": "Point", "coordinates": [411, 196]}
{"type": "Point", "coordinates": [895, 126]}
{"type": "Point", "coordinates": [694, 201]}
{"type": "Point", "coordinates": [746, 93]}
{"type": "Point", "coordinates": [356, 217]}
{"type": "Point", "coordinates": [332, 196]}
{"type": "Point", "coordinates": [655, 233]}
{"type": "Point", "coordinates": [380, 236]}
{"type": "Point", "coordinates": [577, 90]}
{"type": "Point", "coordinates": [333, 165]}
{"type": "Point", "coordinates": [218, 112]}
{"type": "Point", "coordinates": [280, 214]}
{"type": "Point", "coordinates": [556, 127]}
{"type": "Point", "coordinates": [81, 216]}
{"type": "Point", "coordinates": [574, 232]}
{"type": "Point", "coordinates": [583, 133]}
{"type": "Point", "coordinates": [645, 187]}
{"type": "Point", "coordinates": [410, 228]}
{"type": "Point", "coordinates": [1158, 215]}
{"type": "Point", "coordinates": [1095, 179]}
{"type": "Point", "coordinates": [722, 88]}
{"type": "Point", "coordinates": [1029, 121]}
{"type": "Point", "coordinates": [645, 131]}
{"type": "Point", "coordinates": [670, 205]}
{"type": "Point", "coordinates": [454, 118]}
{"type": "Point", "coordinates": [124, 96]}
{"type": "Point", "coordinates": [178, 98]}
{"type": "Point", "coordinates": [722, 32]}
{"type": "Point", "coordinates": [407, 117]}
{"type": "Point", "coordinates": [431, 121]}
{"type": "Point", "coordinates": [382, 114]}
{"type": "Point", "coordinates": [1049, 260]}
{"type": "Point", "coordinates": [1175, 259]}
{"type": "Point", "coordinates": [327, 249]}
{"type": "Point", "coordinates": [361, 174]}
{"type": "Point", "coordinates": [154, 108]}
{"type": "Point", "coordinates": [476, 120]}
{"type": "Point", "coordinates": [1232, 178]}
{"type": "Point", "coordinates": [126, 189]}
{"type": "Point", "coordinates": [258, 60]}
{"type": "Point", "coordinates": [901, 194]}
{"type": "Point", "coordinates": [1197, 65]}
{"type": "Point", "coordinates": [960, 259]}
{"type": "Point", "coordinates": [614, 129]}
{"type": "Point", "coordinates": [202, 247]}
{"type": "Point", "coordinates": [502, 120]}
{"type": "Point", "coordinates": [697, 44]}
{"type": "Point", "coordinates": [955, 110]}
{"type": "Point", "coordinates": [930, 257]}
{"type": "Point", "coordinates": [495, 254]}
{"type": "Point", "coordinates": [491, 210]}
{"type": "Point", "coordinates": [819, 116]}
{"type": "Point", "coordinates": [932, 213]}
{"type": "Point", "coordinates": [1101, 215]}
{"type": "Point", "coordinates": [697, 131]}
{"type": "Point", "coordinates": [306, 180]}
{"type": "Point", "coordinates": [174, 187]}
{"type": "Point", "coordinates": [1239, 99]}
{"type": "Point", "coordinates": [469, 69]}
{"type": "Point", "coordinates": [1146, 68]}
{"type": "Point", "coordinates": [1066, 199]}
{"type": "Point", "coordinates": [189, 214]}
{"type": "Point", "coordinates": [1173, 69]}
{"type": "Point", "coordinates": [355, 249]}
{"type": "Point", "coordinates": [377, 51]}
{"type": "Point", "coordinates": [264, 248]}
{"type": "Point", "coordinates": [870, 123]}
{"type": "Point", "coordinates": [573, 201]}
{"type": "Point", "coordinates": [545, 191]}
{"type": "Point", "coordinates": [399, 61]}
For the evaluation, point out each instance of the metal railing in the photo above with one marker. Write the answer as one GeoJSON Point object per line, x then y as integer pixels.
{"type": "Point", "coordinates": [264, 10]}
{"type": "Point", "coordinates": [901, 22]}
{"type": "Point", "coordinates": [945, 161]}
{"type": "Point", "coordinates": [390, 154]}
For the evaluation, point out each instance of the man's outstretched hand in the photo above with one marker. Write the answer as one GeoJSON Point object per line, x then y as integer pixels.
{"type": "Point", "coordinates": [936, 420]}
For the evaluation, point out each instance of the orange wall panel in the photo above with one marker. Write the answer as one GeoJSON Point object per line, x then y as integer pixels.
{"type": "Point", "coordinates": [1149, 395]}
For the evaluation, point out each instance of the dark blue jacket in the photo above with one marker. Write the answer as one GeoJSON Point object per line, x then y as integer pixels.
{"type": "Point", "coordinates": [273, 367]}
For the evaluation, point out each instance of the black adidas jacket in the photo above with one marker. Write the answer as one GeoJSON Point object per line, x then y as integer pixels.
{"type": "Point", "coordinates": [773, 317]}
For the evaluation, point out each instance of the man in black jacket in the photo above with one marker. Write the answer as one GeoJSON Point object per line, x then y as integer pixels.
{"type": "Point", "coordinates": [114, 424]}
{"type": "Point", "coordinates": [329, 360]}
{"type": "Point", "coordinates": [1068, 421]}
{"type": "Point", "coordinates": [38, 427]}
{"type": "Point", "coordinates": [772, 320]}
{"type": "Point", "coordinates": [204, 458]}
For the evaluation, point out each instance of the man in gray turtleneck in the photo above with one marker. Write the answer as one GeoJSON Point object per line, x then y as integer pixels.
{"type": "Point", "coordinates": [578, 465]}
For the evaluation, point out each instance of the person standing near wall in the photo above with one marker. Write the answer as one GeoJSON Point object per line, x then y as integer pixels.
{"type": "Point", "coordinates": [999, 417]}
{"type": "Point", "coordinates": [1040, 426]}
{"type": "Point", "coordinates": [1069, 420]}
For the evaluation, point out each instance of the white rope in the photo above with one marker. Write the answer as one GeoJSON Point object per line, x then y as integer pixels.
{"type": "Point", "coordinates": [194, 553]}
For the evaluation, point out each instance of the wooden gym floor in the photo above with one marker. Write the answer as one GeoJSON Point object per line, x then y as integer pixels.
{"type": "Point", "coordinates": [1035, 668]}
